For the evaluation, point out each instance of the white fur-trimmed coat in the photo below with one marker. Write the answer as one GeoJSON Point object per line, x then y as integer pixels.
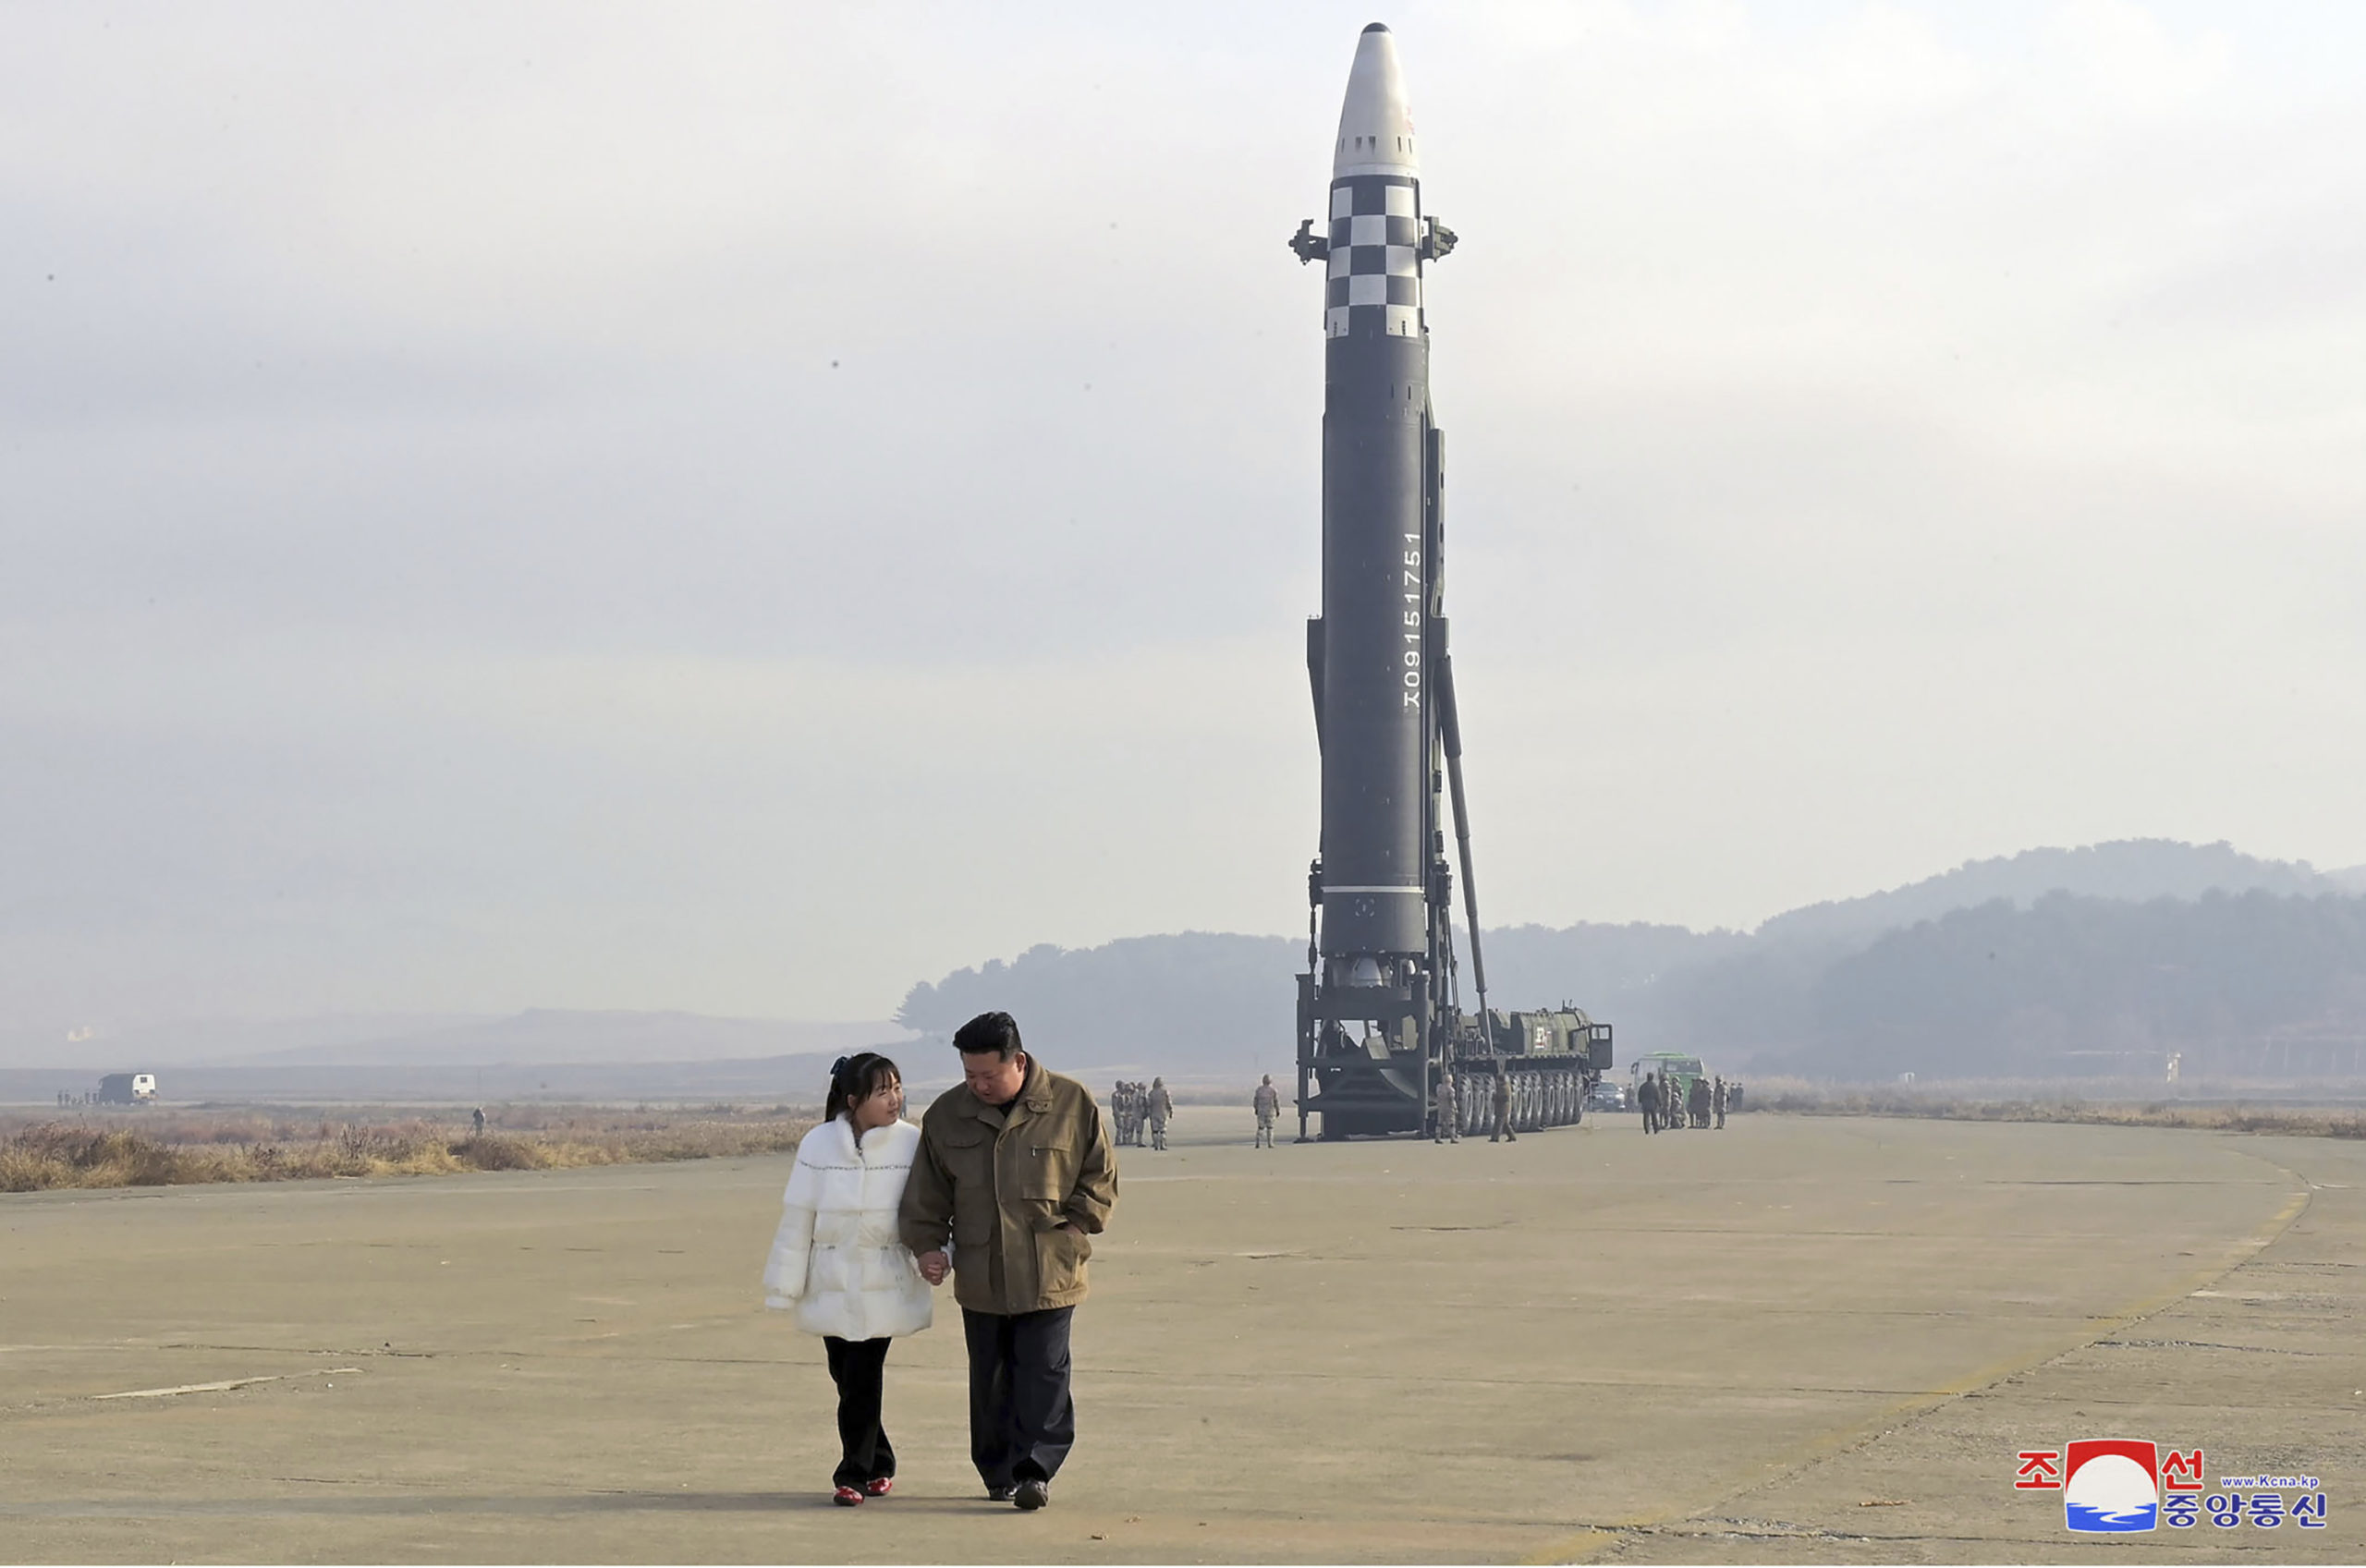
{"type": "Point", "coordinates": [838, 1264]}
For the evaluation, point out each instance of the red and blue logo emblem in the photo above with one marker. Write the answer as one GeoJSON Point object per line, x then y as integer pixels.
{"type": "Point", "coordinates": [2111, 1485]}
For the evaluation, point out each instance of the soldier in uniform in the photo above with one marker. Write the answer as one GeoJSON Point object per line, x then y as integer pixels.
{"type": "Point", "coordinates": [1647, 1099]}
{"type": "Point", "coordinates": [1502, 1099]}
{"type": "Point", "coordinates": [1449, 1129]}
{"type": "Point", "coordinates": [1698, 1100]}
{"type": "Point", "coordinates": [1268, 1100]}
{"type": "Point", "coordinates": [1161, 1106]}
{"type": "Point", "coordinates": [1717, 1101]}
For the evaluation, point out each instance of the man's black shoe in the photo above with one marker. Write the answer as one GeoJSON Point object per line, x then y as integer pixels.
{"type": "Point", "coordinates": [1002, 1493]}
{"type": "Point", "coordinates": [1032, 1495]}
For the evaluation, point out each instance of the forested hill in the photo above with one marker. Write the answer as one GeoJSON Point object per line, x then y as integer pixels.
{"type": "Point", "coordinates": [2100, 953]}
{"type": "Point", "coordinates": [1194, 1002]}
{"type": "Point", "coordinates": [1202, 1002]}
{"type": "Point", "coordinates": [2233, 982]}
{"type": "Point", "coordinates": [1588, 964]}
{"type": "Point", "coordinates": [2135, 868]}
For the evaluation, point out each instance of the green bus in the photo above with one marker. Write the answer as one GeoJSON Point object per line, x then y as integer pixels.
{"type": "Point", "coordinates": [1669, 1068]}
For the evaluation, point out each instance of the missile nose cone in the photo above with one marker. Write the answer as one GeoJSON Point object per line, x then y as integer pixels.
{"type": "Point", "coordinates": [1375, 122]}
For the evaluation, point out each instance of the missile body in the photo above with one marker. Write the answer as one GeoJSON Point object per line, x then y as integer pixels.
{"type": "Point", "coordinates": [1375, 557]}
{"type": "Point", "coordinates": [1375, 1003]}
{"type": "Point", "coordinates": [1381, 1015]}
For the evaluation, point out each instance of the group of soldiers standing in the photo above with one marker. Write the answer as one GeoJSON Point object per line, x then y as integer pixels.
{"type": "Point", "coordinates": [1667, 1104]}
{"type": "Point", "coordinates": [1667, 1101]}
{"type": "Point", "coordinates": [1445, 1106]}
{"type": "Point", "coordinates": [1135, 1107]}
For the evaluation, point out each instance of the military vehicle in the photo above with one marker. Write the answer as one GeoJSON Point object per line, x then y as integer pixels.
{"type": "Point", "coordinates": [1552, 1059]}
{"type": "Point", "coordinates": [128, 1089]}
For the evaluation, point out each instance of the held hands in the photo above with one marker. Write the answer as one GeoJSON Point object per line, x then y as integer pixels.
{"type": "Point", "coordinates": [935, 1265]}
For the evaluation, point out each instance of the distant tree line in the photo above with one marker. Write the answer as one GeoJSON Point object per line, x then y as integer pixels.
{"type": "Point", "coordinates": [1197, 1001]}
{"type": "Point", "coordinates": [2069, 983]}
{"type": "Point", "coordinates": [2097, 960]}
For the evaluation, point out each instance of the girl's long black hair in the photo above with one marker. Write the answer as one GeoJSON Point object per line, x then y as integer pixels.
{"type": "Point", "coordinates": [856, 1078]}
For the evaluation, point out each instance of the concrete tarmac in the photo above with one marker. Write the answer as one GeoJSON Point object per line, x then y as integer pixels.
{"type": "Point", "coordinates": [1819, 1339]}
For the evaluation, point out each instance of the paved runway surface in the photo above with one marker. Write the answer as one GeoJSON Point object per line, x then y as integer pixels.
{"type": "Point", "coordinates": [1800, 1338]}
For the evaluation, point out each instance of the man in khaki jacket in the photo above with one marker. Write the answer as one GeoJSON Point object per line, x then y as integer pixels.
{"type": "Point", "coordinates": [1016, 1170]}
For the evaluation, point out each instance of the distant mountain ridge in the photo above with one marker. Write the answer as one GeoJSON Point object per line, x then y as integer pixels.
{"type": "Point", "coordinates": [1196, 1001]}
{"type": "Point", "coordinates": [537, 1037]}
{"type": "Point", "coordinates": [2132, 869]}
{"type": "Point", "coordinates": [1826, 987]}
{"type": "Point", "coordinates": [2246, 983]}
{"type": "Point", "coordinates": [552, 1036]}
{"type": "Point", "coordinates": [1217, 1003]}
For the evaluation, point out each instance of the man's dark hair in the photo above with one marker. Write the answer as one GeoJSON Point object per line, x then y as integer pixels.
{"type": "Point", "coordinates": [997, 1032]}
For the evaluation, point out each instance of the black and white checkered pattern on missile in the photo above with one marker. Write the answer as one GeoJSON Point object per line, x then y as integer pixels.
{"type": "Point", "coordinates": [1375, 283]}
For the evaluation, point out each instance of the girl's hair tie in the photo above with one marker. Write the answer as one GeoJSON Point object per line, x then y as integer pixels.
{"type": "Point", "coordinates": [838, 1067]}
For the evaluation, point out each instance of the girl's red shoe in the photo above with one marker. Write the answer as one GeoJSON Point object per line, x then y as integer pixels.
{"type": "Point", "coordinates": [846, 1496]}
{"type": "Point", "coordinates": [881, 1487]}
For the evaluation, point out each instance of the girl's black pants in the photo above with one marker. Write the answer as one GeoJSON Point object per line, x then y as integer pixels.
{"type": "Point", "coordinates": [859, 1368]}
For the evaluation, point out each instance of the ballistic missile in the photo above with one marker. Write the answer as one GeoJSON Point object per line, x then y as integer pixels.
{"type": "Point", "coordinates": [1371, 651]}
{"type": "Point", "coordinates": [1381, 1011]}
{"type": "Point", "coordinates": [1380, 1002]}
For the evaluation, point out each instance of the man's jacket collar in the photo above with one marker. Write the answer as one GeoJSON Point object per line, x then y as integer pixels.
{"type": "Point", "coordinates": [1035, 1097]}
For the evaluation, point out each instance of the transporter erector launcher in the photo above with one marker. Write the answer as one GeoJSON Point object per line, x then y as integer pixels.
{"type": "Point", "coordinates": [1379, 1007]}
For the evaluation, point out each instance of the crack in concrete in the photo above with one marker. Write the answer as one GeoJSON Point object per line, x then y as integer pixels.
{"type": "Point", "coordinates": [2249, 1247]}
{"type": "Point", "coordinates": [224, 1384]}
{"type": "Point", "coordinates": [2199, 1344]}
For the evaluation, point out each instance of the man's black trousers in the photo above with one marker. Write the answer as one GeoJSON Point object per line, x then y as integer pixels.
{"type": "Point", "coordinates": [859, 1368]}
{"type": "Point", "coordinates": [1021, 1421]}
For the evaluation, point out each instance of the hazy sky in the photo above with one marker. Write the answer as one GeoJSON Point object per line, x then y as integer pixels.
{"type": "Point", "coordinates": [742, 507]}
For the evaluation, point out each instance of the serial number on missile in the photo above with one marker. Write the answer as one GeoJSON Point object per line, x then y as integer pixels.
{"type": "Point", "coordinates": [1413, 622]}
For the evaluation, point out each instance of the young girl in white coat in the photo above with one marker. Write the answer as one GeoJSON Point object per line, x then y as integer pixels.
{"type": "Point", "coordinates": [838, 1263]}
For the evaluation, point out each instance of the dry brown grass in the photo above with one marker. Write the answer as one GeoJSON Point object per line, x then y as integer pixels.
{"type": "Point", "coordinates": [145, 1149]}
{"type": "Point", "coordinates": [1965, 1103]}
